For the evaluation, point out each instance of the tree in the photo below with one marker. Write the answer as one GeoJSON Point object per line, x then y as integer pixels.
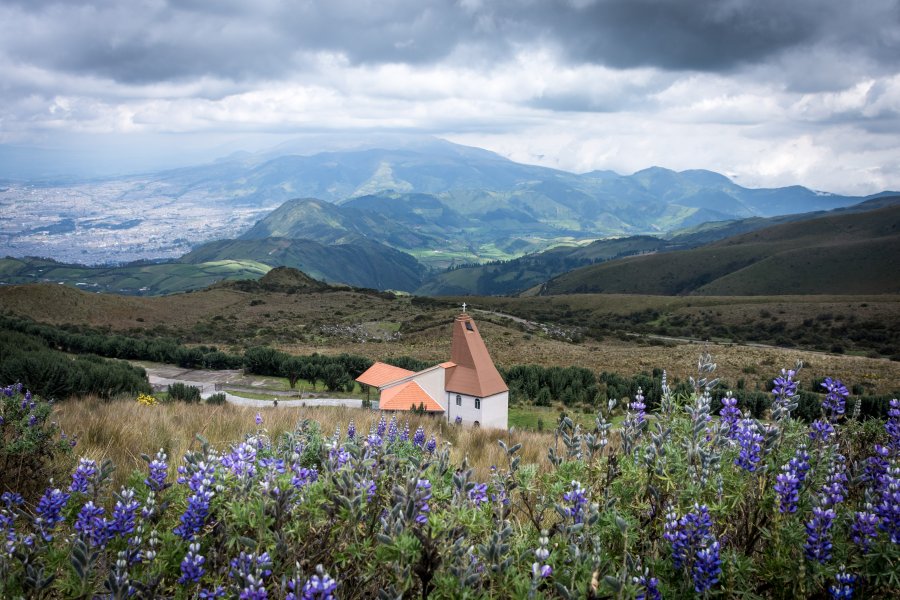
{"type": "Point", "coordinates": [293, 368]}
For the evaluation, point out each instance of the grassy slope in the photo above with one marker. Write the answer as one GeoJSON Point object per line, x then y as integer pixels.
{"type": "Point", "coordinates": [854, 253]}
{"type": "Point", "coordinates": [361, 263]}
{"type": "Point", "coordinates": [145, 279]}
{"type": "Point", "coordinates": [349, 321]}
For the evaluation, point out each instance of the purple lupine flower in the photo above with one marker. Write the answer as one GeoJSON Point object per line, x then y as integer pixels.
{"type": "Point", "coordinates": [843, 588]}
{"type": "Point", "coordinates": [820, 430]}
{"type": "Point", "coordinates": [681, 532]}
{"type": "Point", "coordinates": [11, 499]}
{"type": "Point", "coordinates": [81, 478]}
{"type": "Point", "coordinates": [192, 565]}
{"type": "Point", "coordinates": [835, 398]}
{"type": "Point", "coordinates": [694, 546]}
{"type": "Point", "coordinates": [32, 420]}
{"type": "Point", "coordinates": [382, 426]}
{"type": "Point", "coordinates": [404, 435]}
{"type": "Point", "coordinates": [577, 502]}
{"type": "Point", "coordinates": [864, 529]}
{"type": "Point", "coordinates": [338, 457]}
{"type": "Point", "coordinates": [49, 512]}
{"type": "Point", "coordinates": [431, 445]}
{"type": "Point", "coordinates": [213, 594]}
{"type": "Point", "coordinates": [707, 568]}
{"type": "Point", "coordinates": [393, 432]}
{"type": "Point", "coordinates": [159, 470]}
{"type": "Point", "coordinates": [876, 466]}
{"type": "Point", "coordinates": [303, 476]}
{"type": "Point", "coordinates": [787, 486]}
{"type": "Point", "coordinates": [478, 494]}
{"type": "Point", "coordinates": [423, 495]}
{"type": "Point", "coordinates": [275, 465]}
{"type": "Point", "coordinates": [419, 437]}
{"type": "Point", "coordinates": [539, 569]}
{"type": "Point", "coordinates": [124, 514]}
{"type": "Point", "coordinates": [799, 463]}
{"type": "Point", "coordinates": [649, 588]}
{"type": "Point", "coordinates": [750, 441]}
{"type": "Point", "coordinates": [351, 430]}
{"type": "Point", "coordinates": [835, 488]}
{"type": "Point", "coordinates": [458, 420]}
{"type": "Point", "coordinates": [93, 528]}
{"type": "Point", "coordinates": [241, 461]}
{"type": "Point", "coordinates": [818, 544]}
{"type": "Point", "coordinates": [784, 389]}
{"type": "Point", "coordinates": [320, 586]}
{"type": "Point", "coordinates": [731, 415]}
{"type": "Point", "coordinates": [369, 486]}
{"type": "Point", "coordinates": [249, 570]}
{"type": "Point", "coordinates": [888, 507]}
{"type": "Point", "coordinates": [258, 419]}
{"type": "Point", "coordinates": [639, 408]}
{"type": "Point", "coordinates": [374, 440]}
{"type": "Point", "coordinates": [202, 483]}
{"type": "Point", "coordinates": [893, 425]}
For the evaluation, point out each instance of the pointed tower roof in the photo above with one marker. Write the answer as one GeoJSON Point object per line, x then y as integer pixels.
{"type": "Point", "coordinates": [474, 373]}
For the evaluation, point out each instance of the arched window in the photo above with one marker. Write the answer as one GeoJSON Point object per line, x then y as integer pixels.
{"type": "Point", "coordinates": [476, 424]}
{"type": "Point", "coordinates": [478, 403]}
{"type": "Point", "coordinates": [458, 400]}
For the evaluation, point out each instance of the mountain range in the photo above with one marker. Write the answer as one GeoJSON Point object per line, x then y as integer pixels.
{"type": "Point", "coordinates": [433, 218]}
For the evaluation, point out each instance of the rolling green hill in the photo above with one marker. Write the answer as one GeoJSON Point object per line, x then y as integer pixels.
{"type": "Point", "coordinates": [138, 279]}
{"type": "Point", "coordinates": [521, 274]}
{"type": "Point", "coordinates": [838, 253]}
{"type": "Point", "coordinates": [514, 276]}
{"type": "Point", "coordinates": [361, 263]}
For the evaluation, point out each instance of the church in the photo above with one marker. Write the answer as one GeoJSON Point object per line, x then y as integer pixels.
{"type": "Point", "coordinates": [468, 386]}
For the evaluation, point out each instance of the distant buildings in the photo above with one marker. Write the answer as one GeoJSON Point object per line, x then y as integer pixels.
{"type": "Point", "coordinates": [467, 387]}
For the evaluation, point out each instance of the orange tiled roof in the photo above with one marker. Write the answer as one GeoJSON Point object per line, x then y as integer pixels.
{"type": "Point", "coordinates": [406, 397]}
{"type": "Point", "coordinates": [474, 373]}
{"type": "Point", "coordinates": [381, 373]}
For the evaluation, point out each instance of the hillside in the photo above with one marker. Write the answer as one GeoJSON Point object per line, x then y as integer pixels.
{"type": "Point", "coordinates": [839, 253]}
{"type": "Point", "coordinates": [514, 276]}
{"type": "Point", "coordinates": [360, 263]}
{"type": "Point", "coordinates": [146, 279]}
{"type": "Point", "coordinates": [521, 274]}
{"type": "Point", "coordinates": [609, 328]}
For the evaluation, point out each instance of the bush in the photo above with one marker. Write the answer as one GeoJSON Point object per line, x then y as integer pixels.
{"type": "Point", "coordinates": [32, 448]}
{"type": "Point", "coordinates": [184, 393]}
{"type": "Point", "coordinates": [218, 398]}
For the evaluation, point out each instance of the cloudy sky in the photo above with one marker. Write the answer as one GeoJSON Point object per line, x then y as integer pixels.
{"type": "Point", "coordinates": [770, 92]}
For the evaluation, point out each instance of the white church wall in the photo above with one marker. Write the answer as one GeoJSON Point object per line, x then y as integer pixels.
{"type": "Point", "coordinates": [494, 410]}
{"type": "Point", "coordinates": [432, 381]}
{"type": "Point", "coordinates": [466, 409]}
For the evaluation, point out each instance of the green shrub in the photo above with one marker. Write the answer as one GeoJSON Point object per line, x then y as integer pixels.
{"type": "Point", "coordinates": [184, 393]}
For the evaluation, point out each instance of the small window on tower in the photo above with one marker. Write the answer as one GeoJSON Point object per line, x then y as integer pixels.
{"type": "Point", "coordinates": [469, 325]}
{"type": "Point", "coordinates": [478, 403]}
{"type": "Point", "coordinates": [458, 400]}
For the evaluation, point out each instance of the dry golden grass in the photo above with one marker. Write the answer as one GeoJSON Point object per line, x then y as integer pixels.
{"type": "Point", "coordinates": [122, 430]}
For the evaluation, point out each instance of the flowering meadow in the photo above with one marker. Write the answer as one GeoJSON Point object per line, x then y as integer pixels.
{"type": "Point", "coordinates": [679, 503]}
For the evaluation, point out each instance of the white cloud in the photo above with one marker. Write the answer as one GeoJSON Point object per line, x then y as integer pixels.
{"type": "Point", "coordinates": [529, 80]}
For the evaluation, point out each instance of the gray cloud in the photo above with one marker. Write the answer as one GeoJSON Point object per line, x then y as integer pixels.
{"type": "Point", "coordinates": [139, 42]}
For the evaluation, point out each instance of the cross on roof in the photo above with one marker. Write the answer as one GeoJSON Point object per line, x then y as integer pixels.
{"type": "Point", "coordinates": [464, 307]}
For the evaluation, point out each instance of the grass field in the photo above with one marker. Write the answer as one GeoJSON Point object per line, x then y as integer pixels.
{"type": "Point", "coordinates": [328, 323]}
{"type": "Point", "coordinates": [122, 430]}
